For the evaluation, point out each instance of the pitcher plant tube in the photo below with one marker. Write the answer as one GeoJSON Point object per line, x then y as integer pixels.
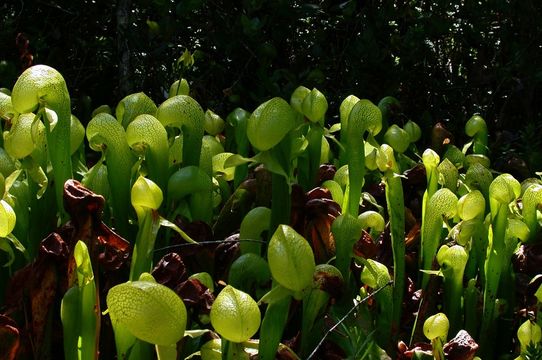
{"type": "Point", "coordinates": [42, 89]}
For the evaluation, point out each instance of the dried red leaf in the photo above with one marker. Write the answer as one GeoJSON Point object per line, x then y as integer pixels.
{"type": "Point", "coordinates": [415, 176]}
{"type": "Point", "coordinates": [329, 282]}
{"type": "Point", "coordinates": [197, 230]}
{"type": "Point", "coordinates": [322, 240]}
{"type": "Point", "coordinates": [85, 207]}
{"type": "Point", "coordinates": [528, 258]}
{"type": "Point", "coordinates": [312, 215]}
{"type": "Point", "coordinates": [112, 249]}
{"type": "Point", "coordinates": [81, 202]}
{"type": "Point", "coordinates": [365, 247]}
{"type": "Point", "coordinates": [326, 172]}
{"type": "Point", "coordinates": [319, 193]}
{"type": "Point", "coordinates": [32, 290]}
{"type": "Point", "coordinates": [170, 270]}
{"type": "Point", "coordinates": [413, 235]}
{"type": "Point", "coordinates": [9, 338]}
{"type": "Point", "coordinates": [42, 298]}
{"type": "Point", "coordinates": [461, 347]}
{"type": "Point", "coordinates": [404, 352]}
{"type": "Point", "coordinates": [196, 295]}
{"type": "Point", "coordinates": [54, 247]}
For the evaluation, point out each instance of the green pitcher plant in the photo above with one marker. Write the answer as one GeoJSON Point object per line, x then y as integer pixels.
{"type": "Point", "coordinates": [417, 236]}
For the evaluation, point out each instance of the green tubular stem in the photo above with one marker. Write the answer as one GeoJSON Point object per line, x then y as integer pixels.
{"type": "Point", "coordinates": [346, 230]}
{"type": "Point", "coordinates": [90, 323]}
{"type": "Point", "coordinates": [356, 172]}
{"type": "Point", "coordinates": [396, 211]}
{"type": "Point", "coordinates": [43, 86]}
{"type": "Point", "coordinates": [376, 276]}
{"type": "Point", "coordinates": [470, 304]}
{"type": "Point", "coordinates": [128, 346]}
{"type": "Point", "coordinates": [22, 205]}
{"type": "Point", "coordinates": [272, 327]}
{"type": "Point", "coordinates": [438, 351]}
{"type": "Point", "coordinates": [201, 206]}
{"type": "Point", "coordinates": [344, 113]}
{"type": "Point", "coordinates": [42, 221]}
{"type": "Point", "coordinates": [532, 201]}
{"type": "Point", "coordinates": [106, 134]}
{"type": "Point", "coordinates": [477, 253]}
{"type": "Point", "coordinates": [233, 351]}
{"type": "Point", "coordinates": [165, 352]}
{"type": "Point", "coordinates": [89, 307]}
{"type": "Point", "coordinates": [194, 182]}
{"type": "Point", "coordinates": [430, 161]}
{"type": "Point", "coordinates": [146, 130]}
{"type": "Point", "coordinates": [185, 113]}
{"type": "Point", "coordinates": [255, 222]}
{"type": "Point", "coordinates": [71, 320]}
{"type": "Point", "coordinates": [364, 116]}
{"type": "Point", "coordinates": [142, 255]}
{"type": "Point", "coordinates": [313, 303]}
{"type": "Point", "coordinates": [453, 304]}
{"type": "Point", "coordinates": [186, 181]}
{"type": "Point", "coordinates": [453, 260]}
{"type": "Point", "coordinates": [441, 204]}
{"type": "Point", "coordinates": [239, 118]}
{"type": "Point", "coordinates": [280, 202]}
{"type": "Point", "coordinates": [493, 270]}
{"type": "Point", "coordinates": [503, 190]}
{"type": "Point", "coordinates": [124, 342]}
{"type": "Point", "coordinates": [314, 136]}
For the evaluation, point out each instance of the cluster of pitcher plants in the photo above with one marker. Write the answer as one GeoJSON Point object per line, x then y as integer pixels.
{"type": "Point", "coordinates": [286, 233]}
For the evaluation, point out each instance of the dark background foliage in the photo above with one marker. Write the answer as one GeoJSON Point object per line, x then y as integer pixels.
{"type": "Point", "coordinates": [444, 60]}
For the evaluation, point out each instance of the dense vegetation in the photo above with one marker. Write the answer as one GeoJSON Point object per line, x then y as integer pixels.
{"type": "Point", "coordinates": [175, 191]}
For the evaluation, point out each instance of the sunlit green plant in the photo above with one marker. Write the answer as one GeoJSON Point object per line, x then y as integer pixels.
{"type": "Point", "coordinates": [441, 206]}
{"type": "Point", "coordinates": [80, 311]}
{"type": "Point", "coordinates": [132, 106]}
{"type": "Point", "coordinates": [147, 137]}
{"type": "Point", "coordinates": [236, 317]}
{"type": "Point", "coordinates": [255, 222]}
{"type": "Point", "coordinates": [435, 328]}
{"type": "Point", "coordinates": [106, 134]}
{"type": "Point", "coordinates": [237, 141]}
{"type": "Point", "coordinates": [363, 117]}
{"type": "Point", "coordinates": [452, 261]}
{"type": "Point", "coordinates": [146, 198]}
{"type": "Point", "coordinates": [532, 204]}
{"type": "Point", "coordinates": [148, 311]}
{"type": "Point", "coordinates": [267, 130]}
{"type": "Point", "coordinates": [287, 253]}
{"type": "Point", "coordinates": [376, 275]}
{"type": "Point", "coordinates": [326, 279]}
{"type": "Point", "coordinates": [503, 191]}
{"type": "Point", "coordinates": [42, 89]}
{"type": "Point", "coordinates": [477, 129]}
{"type": "Point", "coordinates": [313, 105]}
{"type": "Point", "coordinates": [8, 219]}
{"type": "Point", "coordinates": [530, 338]}
{"type": "Point", "coordinates": [396, 213]}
